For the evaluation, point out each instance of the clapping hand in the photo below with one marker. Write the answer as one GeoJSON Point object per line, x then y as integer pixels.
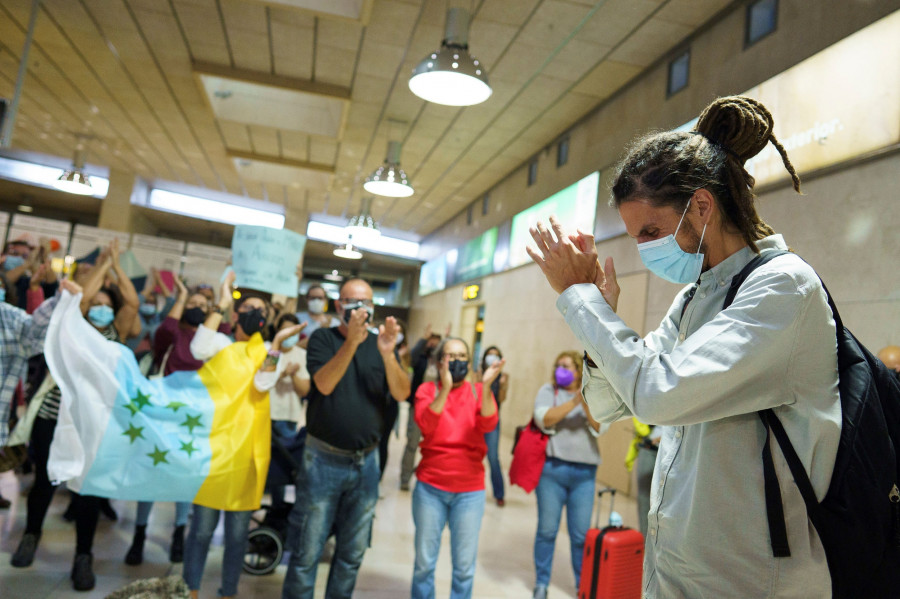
{"type": "Point", "coordinates": [387, 335]}
{"type": "Point", "coordinates": [562, 261]}
{"type": "Point", "coordinates": [283, 334]}
{"type": "Point", "coordinates": [356, 328]}
{"type": "Point", "coordinates": [492, 372]}
{"type": "Point", "coordinates": [605, 278]}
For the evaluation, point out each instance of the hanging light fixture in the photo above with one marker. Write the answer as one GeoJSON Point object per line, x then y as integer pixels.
{"type": "Point", "coordinates": [362, 228]}
{"type": "Point", "coordinates": [389, 179]}
{"type": "Point", "coordinates": [75, 180]}
{"type": "Point", "coordinates": [451, 76]}
{"type": "Point", "coordinates": [348, 251]}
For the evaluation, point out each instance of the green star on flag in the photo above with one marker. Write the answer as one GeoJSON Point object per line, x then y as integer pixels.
{"type": "Point", "coordinates": [158, 456]}
{"type": "Point", "coordinates": [174, 405]}
{"type": "Point", "coordinates": [188, 447]}
{"type": "Point", "coordinates": [134, 432]}
{"type": "Point", "coordinates": [133, 408]}
{"type": "Point", "coordinates": [141, 400]}
{"type": "Point", "coordinates": [192, 422]}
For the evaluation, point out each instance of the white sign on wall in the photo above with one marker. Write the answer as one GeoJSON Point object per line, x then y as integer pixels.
{"type": "Point", "coordinates": [204, 264]}
{"type": "Point", "coordinates": [37, 228]}
{"type": "Point", "coordinates": [157, 252]}
{"type": "Point", "coordinates": [85, 239]}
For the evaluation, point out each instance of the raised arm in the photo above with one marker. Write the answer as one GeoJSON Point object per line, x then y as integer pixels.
{"type": "Point", "coordinates": [214, 318]}
{"type": "Point", "coordinates": [177, 310]}
{"type": "Point", "coordinates": [397, 379]}
{"type": "Point", "coordinates": [331, 373]}
{"type": "Point", "coordinates": [127, 322]}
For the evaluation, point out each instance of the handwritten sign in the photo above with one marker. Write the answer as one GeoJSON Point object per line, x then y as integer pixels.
{"type": "Point", "coordinates": [266, 259]}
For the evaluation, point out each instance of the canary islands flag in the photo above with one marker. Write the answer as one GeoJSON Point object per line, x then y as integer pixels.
{"type": "Point", "coordinates": [198, 436]}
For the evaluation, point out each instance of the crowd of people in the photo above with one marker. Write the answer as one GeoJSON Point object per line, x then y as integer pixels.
{"type": "Point", "coordinates": [336, 380]}
{"type": "Point", "coordinates": [321, 366]}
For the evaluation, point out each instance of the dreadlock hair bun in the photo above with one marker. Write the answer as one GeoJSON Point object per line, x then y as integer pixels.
{"type": "Point", "coordinates": [742, 127]}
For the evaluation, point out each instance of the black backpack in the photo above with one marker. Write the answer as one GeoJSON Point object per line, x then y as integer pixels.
{"type": "Point", "coordinates": [859, 520]}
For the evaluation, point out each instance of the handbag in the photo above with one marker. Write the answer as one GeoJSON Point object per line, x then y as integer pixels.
{"type": "Point", "coordinates": [529, 455]}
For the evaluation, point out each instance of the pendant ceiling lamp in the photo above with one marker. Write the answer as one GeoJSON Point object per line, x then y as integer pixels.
{"type": "Point", "coordinates": [389, 179]}
{"type": "Point", "coordinates": [75, 180]}
{"type": "Point", "coordinates": [348, 251]}
{"type": "Point", "coordinates": [451, 76]}
{"type": "Point", "coordinates": [362, 228]}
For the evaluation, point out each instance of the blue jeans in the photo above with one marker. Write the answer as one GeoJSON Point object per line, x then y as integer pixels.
{"type": "Point", "coordinates": [182, 509]}
{"type": "Point", "coordinates": [432, 510]}
{"type": "Point", "coordinates": [492, 439]}
{"type": "Point", "coordinates": [568, 484]}
{"type": "Point", "coordinates": [334, 492]}
{"type": "Point", "coordinates": [196, 547]}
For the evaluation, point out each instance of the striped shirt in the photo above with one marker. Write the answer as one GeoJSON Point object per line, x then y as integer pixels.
{"type": "Point", "coordinates": [21, 336]}
{"type": "Point", "coordinates": [50, 407]}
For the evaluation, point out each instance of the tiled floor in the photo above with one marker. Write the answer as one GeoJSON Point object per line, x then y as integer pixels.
{"type": "Point", "coordinates": [505, 567]}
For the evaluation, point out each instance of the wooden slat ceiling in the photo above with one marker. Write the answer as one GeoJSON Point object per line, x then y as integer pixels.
{"type": "Point", "coordinates": [123, 72]}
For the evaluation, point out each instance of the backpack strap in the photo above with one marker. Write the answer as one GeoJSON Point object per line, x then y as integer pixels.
{"type": "Point", "coordinates": [738, 279]}
{"type": "Point", "coordinates": [774, 506]}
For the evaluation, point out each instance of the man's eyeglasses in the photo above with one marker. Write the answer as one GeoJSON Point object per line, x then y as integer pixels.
{"type": "Point", "coordinates": [346, 301]}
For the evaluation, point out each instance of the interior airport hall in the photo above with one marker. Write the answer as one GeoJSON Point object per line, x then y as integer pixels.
{"type": "Point", "coordinates": [408, 298]}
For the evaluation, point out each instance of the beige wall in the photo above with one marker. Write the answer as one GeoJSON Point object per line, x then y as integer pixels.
{"type": "Point", "coordinates": [846, 225]}
{"type": "Point", "coordinates": [719, 66]}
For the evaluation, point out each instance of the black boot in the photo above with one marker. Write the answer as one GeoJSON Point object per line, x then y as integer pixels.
{"type": "Point", "coordinates": [135, 553]}
{"type": "Point", "coordinates": [83, 573]}
{"type": "Point", "coordinates": [24, 554]}
{"type": "Point", "coordinates": [176, 551]}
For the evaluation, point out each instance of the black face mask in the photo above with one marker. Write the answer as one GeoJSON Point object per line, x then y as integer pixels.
{"type": "Point", "coordinates": [252, 321]}
{"type": "Point", "coordinates": [458, 370]}
{"type": "Point", "coordinates": [193, 317]}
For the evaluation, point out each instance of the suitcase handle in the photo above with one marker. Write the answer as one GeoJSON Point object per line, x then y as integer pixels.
{"type": "Point", "coordinates": [612, 500]}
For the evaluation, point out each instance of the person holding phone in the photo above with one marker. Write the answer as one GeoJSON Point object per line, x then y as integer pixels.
{"type": "Point", "coordinates": [355, 372]}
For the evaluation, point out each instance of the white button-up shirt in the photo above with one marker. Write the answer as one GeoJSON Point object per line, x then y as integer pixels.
{"type": "Point", "coordinates": [705, 374]}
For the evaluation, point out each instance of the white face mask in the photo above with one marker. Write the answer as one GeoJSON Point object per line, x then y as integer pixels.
{"type": "Point", "coordinates": [491, 360]}
{"type": "Point", "coordinates": [399, 338]}
{"type": "Point", "coordinates": [316, 306]}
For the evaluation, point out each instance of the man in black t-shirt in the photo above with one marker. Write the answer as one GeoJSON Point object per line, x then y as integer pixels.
{"type": "Point", "coordinates": [354, 374]}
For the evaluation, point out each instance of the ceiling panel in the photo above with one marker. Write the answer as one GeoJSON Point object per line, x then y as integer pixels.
{"type": "Point", "coordinates": [307, 88]}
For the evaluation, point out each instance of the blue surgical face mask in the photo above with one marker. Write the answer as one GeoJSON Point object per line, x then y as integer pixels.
{"type": "Point", "coordinates": [2, 294]}
{"type": "Point", "coordinates": [665, 258]}
{"type": "Point", "coordinates": [290, 341]}
{"type": "Point", "coordinates": [101, 316]}
{"type": "Point", "coordinates": [147, 309]}
{"type": "Point", "coordinates": [13, 262]}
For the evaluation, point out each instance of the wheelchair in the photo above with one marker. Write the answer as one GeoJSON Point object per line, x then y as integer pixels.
{"type": "Point", "coordinates": [265, 542]}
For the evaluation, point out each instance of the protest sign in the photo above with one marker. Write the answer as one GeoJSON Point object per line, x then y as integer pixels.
{"type": "Point", "coordinates": [266, 259]}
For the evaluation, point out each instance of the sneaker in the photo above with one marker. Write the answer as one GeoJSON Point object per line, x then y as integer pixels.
{"type": "Point", "coordinates": [540, 592]}
{"type": "Point", "coordinates": [501, 503]}
{"type": "Point", "coordinates": [176, 551]}
{"type": "Point", "coordinates": [82, 572]}
{"type": "Point", "coordinates": [24, 555]}
{"type": "Point", "coordinates": [135, 555]}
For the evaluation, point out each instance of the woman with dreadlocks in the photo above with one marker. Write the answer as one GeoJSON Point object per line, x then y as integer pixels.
{"type": "Point", "coordinates": [687, 199]}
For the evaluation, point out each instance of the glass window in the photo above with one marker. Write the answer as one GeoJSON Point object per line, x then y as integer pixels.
{"type": "Point", "coordinates": [485, 204]}
{"type": "Point", "coordinates": [762, 18]}
{"type": "Point", "coordinates": [562, 152]}
{"type": "Point", "coordinates": [532, 172]}
{"type": "Point", "coordinates": [679, 70]}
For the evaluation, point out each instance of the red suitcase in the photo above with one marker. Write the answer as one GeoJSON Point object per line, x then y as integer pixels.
{"type": "Point", "coordinates": [613, 562]}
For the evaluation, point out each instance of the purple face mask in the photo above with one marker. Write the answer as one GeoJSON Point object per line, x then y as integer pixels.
{"type": "Point", "coordinates": [564, 376]}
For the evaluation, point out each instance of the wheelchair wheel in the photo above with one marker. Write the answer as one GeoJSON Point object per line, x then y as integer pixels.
{"type": "Point", "coordinates": [264, 551]}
